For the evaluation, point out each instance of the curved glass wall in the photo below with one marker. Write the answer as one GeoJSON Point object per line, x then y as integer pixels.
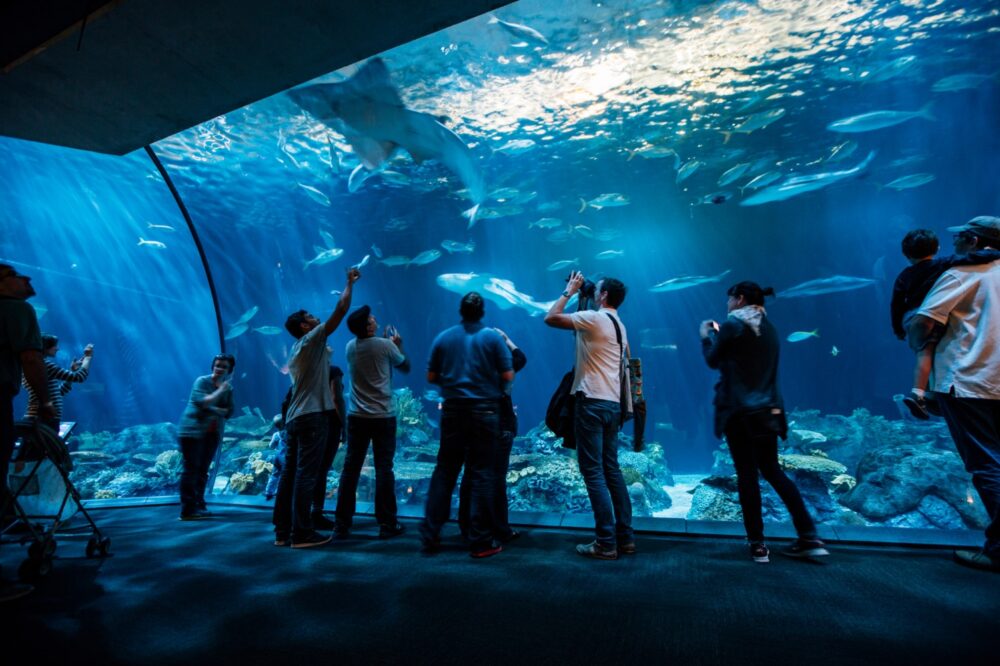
{"type": "Point", "coordinates": [113, 264]}
{"type": "Point", "coordinates": [681, 147]}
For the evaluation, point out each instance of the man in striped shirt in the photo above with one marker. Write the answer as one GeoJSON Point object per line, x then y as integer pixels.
{"type": "Point", "coordinates": [60, 380]}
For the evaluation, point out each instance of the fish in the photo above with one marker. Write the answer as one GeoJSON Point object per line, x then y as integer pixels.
{"type": "Point", "coordinates": [733, 174]}
{"type": "Point", "coordinates": [364, 262]}
{"type": "Point", "coordinates": [828, 285]}
{"type": "Point", "coordinates": [797, 185]}
{"type": "Point", "coordinates": [161, 227]}
{"type": "Point", "coordinates": [687, 281]}
{"type": "Point", "coordinates": [368, 111]}
{"type": "Point", "coordinates": [755, 122]}
{"type": "Point", "coordinates": [236, 330]}
{"type": "Point", "coordinates": [247, 316]}
{"type": "Point", "coordinates": [799, 336]}
{"type": "Point", "coordinates": [315, 194]}
{"type": "Point", "coordinates": [359, 175]}
{"type": "Point", "coordinates": [834, 351]}
{"type": "Point", "coordinates": [524, 32]}
{"type": "Point", "coordinates": [957, 82]}
{"type": "Point", "coordinates": [426, 257]}
{"type": "Point", "coordinates": [651, 152]}
{"type": "Point", "coordinates": [715, 198]}
{"type": "Point", "coordinates": [687, 170]}
{"type": "Point", "coordinates": [659, 347]}
{"type": "Point", "coordinates": [454, 247]}
{"type": "Point", "coordinates": [874, 120]}
{"type": "Point", "coordinates": [504, 194]}
{"type": "Point", "coordinates": [516, 146]}
{"type": "Point", "coordinates": [565, 263]}
{"type": "Point", "coordinates": [395, 260]}
{"type": "Point", "coordinates": [911, 181]}
{"type": "Point", "coordinates": [662, 425]}
{"type": "Point", "coordinates": [842, 151]}
{"type": "Point", "coordinates": [583, 230]}
{"type": "Point", "coordinates": [546, 223]}
{"type": "Point", "coordinates": [500, 291]}
{"type": "Point", "coordinates": [376, 251]}
{"type": "Point", "coordinates": [608, 200]}
{"type": "Point", "coordinates": [268, 330]}
{"type": "Point", "coordinates": [430, 395]}
{"type": "Point", "coordinates": [152, 243]}
{"type": "Point", "coordinates": [559, 236]}
{"type": "Point", "coordinates": [763, 180]}
{"type": "Point", "coordinates": [323, 256]}
{"type": "Point", "coordinates": [609, 254]}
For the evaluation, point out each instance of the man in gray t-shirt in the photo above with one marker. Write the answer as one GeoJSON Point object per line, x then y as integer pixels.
{"type": "Point", "coordinates": [371, 418]}
{"type": "Point", "coordinates": [306, 422]}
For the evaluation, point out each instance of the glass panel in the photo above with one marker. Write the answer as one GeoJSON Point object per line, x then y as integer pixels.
{"type": "Point", "coordinates": [682, 147]}
{"type": "Point", "coordinates": [113, 264]}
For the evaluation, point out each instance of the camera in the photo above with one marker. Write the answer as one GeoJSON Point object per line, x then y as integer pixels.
{"type": "Point", "coordinates": [587, 289]}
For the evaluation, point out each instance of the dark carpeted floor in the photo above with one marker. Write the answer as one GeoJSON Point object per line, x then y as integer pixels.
{"type": "Point", "coordinates": [219, 592]}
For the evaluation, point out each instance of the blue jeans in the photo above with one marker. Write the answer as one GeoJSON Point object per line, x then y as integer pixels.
{"type": "Point", "coordinates": [501, 514]}
{"type": "Point", "coordinates": [381, 434]}
{"type": "Point", "coordinates": [596, 429]}
{"type": "Point", "coordinates": [975, 427]}
{"type": "Point", "coordinates": [306, 443]}
{"type": "Point", "coordinates": [469, 434]}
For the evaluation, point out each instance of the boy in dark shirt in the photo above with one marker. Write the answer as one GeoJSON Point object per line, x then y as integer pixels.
{"type": "Point", "coordinates": [912, 285]}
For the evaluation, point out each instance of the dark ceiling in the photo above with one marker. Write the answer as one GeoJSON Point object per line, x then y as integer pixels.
{"type": "Point", "coordinates": [114, 76]}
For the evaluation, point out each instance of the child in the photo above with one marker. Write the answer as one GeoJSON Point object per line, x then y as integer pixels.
{"type": "Point", "coordinates": [912, 285]}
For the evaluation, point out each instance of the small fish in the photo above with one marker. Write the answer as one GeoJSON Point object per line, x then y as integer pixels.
{"type": "Point", "coordinates": [608, 200]}
{"type": "Point", "coordinates": [546, 223]}
{"type": "Point", "coordinates": [911, 181]}
{"type": "Point", "coordinates": [733, 174]}
{"type": "Point", "coordinates": [565, 263]}
{"type": "Point", "coordinates": [395, 260]}
{"type": "Point", "coordinates": [364, 262]}
{"type": "Point", "coordinates": [834, 351]}
{"type": "Point", "coordinates": [236, 330]}
{"type": "Point", "coordinates": [828, 285]}
{"type": "Point", "coordinates": [152, 243]}
{"type": "Point", "coordinates": [715, 198]}
{"type": "Point", "coordinates": [687, 170]}
{"type": "Point", "coordinates": [426, 257]}
{"type": "Point", "coordinates": [660, 347]}
{"type": "Point", "coordinates": [516, 146]}
{"type": "Point", "coordinates": [763, 180]}
{"type": "Point", "coordinates": [315, 194]}
{"type": "Point", "coordinates": [520, 31]}
{"type": "Point", "coordinates": [323, 256]}
{"type": "Point", "coordinates": [376, 251]}
{"type": "Point", "coordinates": [609, 254]}
{"type": "Point", "coordinates": [247, 316]}
{"type": "Point", "coordinates": [161, 227]}
{"type": "Point", "coordinates": [842, 151]}
{"type": "Point", "coordinates": [504, 194]}
{"type": "Point", "coordinates": [268, 330]}
{"type": "Point", "coordinates": [755, 122]}
{"type": "Point", "coordinates": [874, 120]}
{"type": "Point", "coordinates": [454, 247]}
{"type": "Point", "coordinates": [583, 230]}
{"type": "Point", "coordinates": [431, 395]}
{"type": "Point", "coordinates": [957, 82]}
{"type": "Point", "coordinates": [799, 336]}
{"type": "Point", "coordinates": [662, 425]}
{"type": "Point", "coordinates": [686, 281]}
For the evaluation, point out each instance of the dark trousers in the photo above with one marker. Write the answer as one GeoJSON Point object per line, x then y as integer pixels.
{"type": "Point", "coordinates": [501, 519]}
{"type": "Point", "coordinates": [381, 434]}
{"type": "Point", "coordinates": [7, 438]}
{"type": "Point", "coordinates": [329, 453]}
{"type": "Point", "coordinates": [975, 427]}
{"type": "Point", "coordinates": [306, 443]}
{"type": "Point", "coordinates": [469, 434]}
{"type": "Point", "coordinates": [595, 425]}
{"type": "Point", "coordinates": [753, 450]}
{"type": "Point", "coordinates": [198, 454]}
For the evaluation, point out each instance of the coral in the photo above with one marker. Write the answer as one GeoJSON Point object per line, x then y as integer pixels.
{"type": "Point", "coordinates": [241, 483]}
{"type": "Point", "coordinates": [105, 494]}
{"type": "Point", "coordinates": [169, 465]}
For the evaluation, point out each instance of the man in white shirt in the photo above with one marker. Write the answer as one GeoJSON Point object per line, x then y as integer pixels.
{"type": "Point", "coordinates": [599, 384]}
{"type": "Point", "coordinates": [966, 301]}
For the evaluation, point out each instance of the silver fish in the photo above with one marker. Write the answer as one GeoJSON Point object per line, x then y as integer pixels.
{"type": "Point", "coordinates": [247, 316]}
{"type": "Point", "coordinates": [609, 254]}
{"type": "Point", "coordinates": [456, 247]}
{"type": "Point", "coordinates": [268, 330]}
{"type": "Point", "coordinates": [733, 174]}
{"type": "Point", "coordinates": [763, 180]}
{"type": "Point", "coordinates": [687, 170]}
{"type": "Point", "coordinates": [957, 82]}
{"type": "Point", "coordinates": [828, 285]}
{"type": "Point", "coordinates": [546, 223]}
{"type": "Point", "coordinates": [797, 185]}
{"type": "Point", "coordinates": [520, 31]}
{"type": "Point", "coordinates": [686, 281]}
{"type": "Point", "coordinates": [565, 263]}
{"type": "Point", "coordinates": [395, 260]}
{"type": "Point", "coordinates": [608, 200]}
{"type": "Point", "coordinates": [911, 181]}
{"type": "Point", "coordinates": [323, 256]}
{"type": "Point", "coordinates": [315, 194]}
{"type": "Point", "coordinates": [364, 262]}
{"type": "Point", "coordinates": [376, 251]}
{"type": "Point", "coordinates": [755, 122]}
{"type": "Point", "coordinates": [152, 243]}
{"type": "Point", "coordinates": [426, 257]}
{"type": "Point", "coordinates": [873, 120]}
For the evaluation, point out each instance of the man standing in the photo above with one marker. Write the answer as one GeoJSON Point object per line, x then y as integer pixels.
{"type": "Point", "coordinates": [20, 351]}
{"type": "Point", "coordinates": [472, 364]}
{"type": "Point", "coordinates": [307, 422]}
{"type": "Point", "coordinates": [601, 342]}
{"type": "Point", "coordinates": [371, 419]}
{"type": "Point", "coordinates": [966, 301]}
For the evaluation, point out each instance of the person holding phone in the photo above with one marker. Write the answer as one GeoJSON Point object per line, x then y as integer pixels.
{"type": "Point", "coordinates": [200, 433]}
{"type": "Point", "coordinates": [60, 380]}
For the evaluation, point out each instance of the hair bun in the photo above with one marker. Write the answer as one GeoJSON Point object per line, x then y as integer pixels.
{"type": "Point", "coordinates": [767, 291]}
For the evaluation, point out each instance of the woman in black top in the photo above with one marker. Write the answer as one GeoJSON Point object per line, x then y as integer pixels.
{"type": "Point", "coordinates": [750, 413]}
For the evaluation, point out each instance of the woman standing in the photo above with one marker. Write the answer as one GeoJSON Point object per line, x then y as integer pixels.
{"type": "Point", "coordinates": [200, 431]}
{"type": "Point", "coordinates": [750, 413]}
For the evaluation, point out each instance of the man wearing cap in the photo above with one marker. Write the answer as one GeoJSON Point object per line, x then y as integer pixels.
{"type": "Point", "coordinates": [966, 301]}
{"type": "Point", "coordinates": [472, 364]}
{"type": "Point", "coordinates": [371, 418]}
{"type": "Point", "coordinates": [20, 351]}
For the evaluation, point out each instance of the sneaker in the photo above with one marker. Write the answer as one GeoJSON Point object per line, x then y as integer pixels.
{"type": "Point", "coordinates": [627, 548]}
{"type": "Point", "coordinates": [759, 552]}
{"type": "Point", "coordinates": [806, 548]}
{"type": "Point", "coordinates": [311, 540]}
{"type": "Point", "coordinates": [390, 531]}
{"type": "Point", "coordinates": [489, 551]}
{"type": "Point", "coordinates": [917, 406]}
{"type": "Point", "coordinates": [197, 514]}
{"type": "Point", "coordinates": [321, 522]}
{"type": "Point", "coordinates": [281, 540]}
{"type": "Point", "coordinates": [11, 591]}
{"type": "Point", "coordinates": [977, 559]}
{"type": "Point", "coordinates": [597, 551]}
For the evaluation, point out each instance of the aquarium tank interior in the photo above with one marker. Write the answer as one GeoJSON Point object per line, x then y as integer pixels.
{"type": "Point", "coordinates": [679, 146]}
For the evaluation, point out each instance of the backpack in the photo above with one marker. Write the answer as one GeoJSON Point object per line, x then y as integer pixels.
{"type": "Point", "coordinates": [559, 415]}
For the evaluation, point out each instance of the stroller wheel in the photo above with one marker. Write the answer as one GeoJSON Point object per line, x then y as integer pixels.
{"type": "Point", "coordinates": [92, 547]}
{"type": "Point", "coordinates": [105, 546]}
{"type": "Point", "coordinates": [31, 570]}
{"type": "Point", "coordinates": [40, 550]}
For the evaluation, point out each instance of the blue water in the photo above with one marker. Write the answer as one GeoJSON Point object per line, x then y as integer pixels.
{"type": "Point", "coordinates": [593, 112]}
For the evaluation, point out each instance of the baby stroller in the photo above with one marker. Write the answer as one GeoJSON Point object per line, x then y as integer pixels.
{"type": "Point", "coordinates": [44, 498]}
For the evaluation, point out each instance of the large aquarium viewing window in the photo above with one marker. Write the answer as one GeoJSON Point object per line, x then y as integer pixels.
{"type": "Point", "coordinates": [681, 147]}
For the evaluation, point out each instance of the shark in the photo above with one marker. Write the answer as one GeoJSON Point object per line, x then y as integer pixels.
{"type": "Point", "coordinates": [367, 110]}
{"type": "Point", "coordinates": [501, 291]}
